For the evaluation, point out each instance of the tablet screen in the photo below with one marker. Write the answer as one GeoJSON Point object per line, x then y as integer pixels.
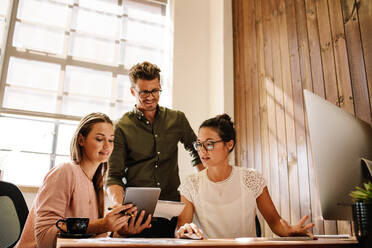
{"type": "Point", "coordinates": [145, 198]}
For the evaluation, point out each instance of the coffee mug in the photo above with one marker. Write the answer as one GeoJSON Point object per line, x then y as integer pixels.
{"type": "Point", "coordinates": [74, 225]}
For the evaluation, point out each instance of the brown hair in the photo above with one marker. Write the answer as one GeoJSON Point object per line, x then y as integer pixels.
{"type": "Point", "coordinates": [145, 71]}
{"type": "Point", "coordinates": [223, 125]}
{"type": "Point", "coordinates": [76, 153]}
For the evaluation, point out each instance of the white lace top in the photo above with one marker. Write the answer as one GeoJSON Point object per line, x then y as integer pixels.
{"type": "Point", "coordinates": [225, 209]}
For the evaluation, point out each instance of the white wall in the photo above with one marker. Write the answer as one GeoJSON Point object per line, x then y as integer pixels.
{"type": "Point", "coordinates": [203, 63]}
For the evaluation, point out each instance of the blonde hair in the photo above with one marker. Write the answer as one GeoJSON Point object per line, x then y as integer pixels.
{"type": "Point", "coordinates": [76, 153]}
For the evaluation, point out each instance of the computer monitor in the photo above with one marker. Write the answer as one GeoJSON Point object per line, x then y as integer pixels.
{"type": "Point", "coordinates": [338, 142]}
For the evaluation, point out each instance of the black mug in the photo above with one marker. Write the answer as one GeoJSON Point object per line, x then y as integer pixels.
{"type": "Point", "coordinates": [74, 225]}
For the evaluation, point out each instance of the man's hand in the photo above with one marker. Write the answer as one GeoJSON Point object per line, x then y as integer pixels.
{"type": "Point", "coordinates": [135, 227]}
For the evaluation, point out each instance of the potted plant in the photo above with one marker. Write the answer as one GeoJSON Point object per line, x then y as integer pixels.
{"type": "Point", "coordinates": [362, 212]}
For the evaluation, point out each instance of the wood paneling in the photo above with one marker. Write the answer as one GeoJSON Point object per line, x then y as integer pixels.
{"type": "Point", "coordinates": [280, 48]}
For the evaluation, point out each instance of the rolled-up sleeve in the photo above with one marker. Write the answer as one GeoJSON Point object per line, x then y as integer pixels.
{"type": "Point", "coordinates": [188, 137]}
{"type": "Point", "coordinates": [116, 168]}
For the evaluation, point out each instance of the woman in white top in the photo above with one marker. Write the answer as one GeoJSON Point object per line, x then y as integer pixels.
{"type": "Point", "coordinates": [225, 197]}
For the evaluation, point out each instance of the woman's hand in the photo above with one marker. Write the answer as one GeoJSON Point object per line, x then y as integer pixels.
{"type": "Point", "coordinates": [299, 229]}
{"type": "Point", "coordinates": [115, 219]}
{"type": "Point", "coordinates": [134, 226]}
{"type": "Point", "coordinates": [189, 228]}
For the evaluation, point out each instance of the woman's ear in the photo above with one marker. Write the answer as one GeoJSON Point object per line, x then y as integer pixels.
{"type": "Point", "coordinates": [230, 145]}
{"type": "Point", "coordinates": [80, 140]}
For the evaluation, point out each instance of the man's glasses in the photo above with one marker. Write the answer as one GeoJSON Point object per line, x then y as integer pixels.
{"type": "Point", "coordinates": [146, 93]}
{"type": "Point", "coordinates": [208, 145]}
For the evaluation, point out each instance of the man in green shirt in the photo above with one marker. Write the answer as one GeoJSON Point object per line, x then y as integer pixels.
{"type": "Point", "coordinates": [146, 152]}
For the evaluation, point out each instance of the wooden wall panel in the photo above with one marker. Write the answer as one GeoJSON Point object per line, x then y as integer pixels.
{"type": "Point", "coordinates": [280, 116]}
{"type": "Point", "coordinates": [299, 114]}
{"type": "Point", "coordinates": [269, 85]}
{"type": "Point", "coordinates": [314, 48]}
{"type": "Point", "coordinates": [294, 201]}
{"type": "Point", "coordinates": [264, 131]}
{"type": "Point", "coordinates": [280, 48]}
{"type": "Point", "coordinates": [356, 60]}
{"type": "Point", "coordinates": [345, 92]}
{"type": "Point", "coordinates": [365, 22]}
{"type": "Point", "coordinates": [238, 67]}
{"type": "Point", "coordinates": [248, 20]}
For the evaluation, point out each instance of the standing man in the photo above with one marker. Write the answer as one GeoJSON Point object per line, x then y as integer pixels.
{"type": "Point", "coordinates": [146, 152]}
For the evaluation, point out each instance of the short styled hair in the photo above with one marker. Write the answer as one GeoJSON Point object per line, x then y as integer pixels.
{"type": "Point", "coordinates": [144, 71]}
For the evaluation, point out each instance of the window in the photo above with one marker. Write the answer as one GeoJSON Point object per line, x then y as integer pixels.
{"type": "Point", "coordinates": [62, 59]}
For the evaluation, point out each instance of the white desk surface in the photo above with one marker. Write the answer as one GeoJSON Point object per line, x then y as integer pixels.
{"type": "Point", "coordinates": [244, 242]}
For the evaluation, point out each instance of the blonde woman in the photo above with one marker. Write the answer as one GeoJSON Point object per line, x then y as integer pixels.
{"type": "Point", "coordinates": [75, 189]}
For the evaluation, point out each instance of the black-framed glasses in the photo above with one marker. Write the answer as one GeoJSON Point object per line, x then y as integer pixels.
{"type": "Point", "coordinates": [208, 144]}
{"type": "Point", "coordinates": [146, 93]}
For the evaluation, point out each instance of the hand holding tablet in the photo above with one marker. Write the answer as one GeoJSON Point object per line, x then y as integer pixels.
{"type": "Point", "coordinates": [144, 198]}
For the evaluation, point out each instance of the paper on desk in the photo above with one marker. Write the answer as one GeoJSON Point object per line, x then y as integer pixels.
{"type": "Point", "coordinates": [168, 209]}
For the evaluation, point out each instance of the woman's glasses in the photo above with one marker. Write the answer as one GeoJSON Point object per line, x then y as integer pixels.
{"type": "Point", "coordinates": [208, 145]}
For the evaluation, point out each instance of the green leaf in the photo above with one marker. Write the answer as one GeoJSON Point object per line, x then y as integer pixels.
{"type": "Point", "coordinates": [362, 195]}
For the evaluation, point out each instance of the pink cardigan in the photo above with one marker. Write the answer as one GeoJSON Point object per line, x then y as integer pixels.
{"type": "Point", "coordinates": [66, 192]}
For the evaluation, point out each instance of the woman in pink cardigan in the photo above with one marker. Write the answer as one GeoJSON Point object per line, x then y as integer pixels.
{"type": "Point", "coordinates": [75, 189]}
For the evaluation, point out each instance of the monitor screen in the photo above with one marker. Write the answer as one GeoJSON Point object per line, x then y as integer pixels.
{"type": "Point", "coordinates": [339, 141]}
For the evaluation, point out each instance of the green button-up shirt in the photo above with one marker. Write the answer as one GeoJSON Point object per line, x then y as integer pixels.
{"type": "Point", "coordinates": [146, 155]}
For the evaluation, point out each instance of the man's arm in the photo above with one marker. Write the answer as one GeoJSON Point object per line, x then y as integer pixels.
{"type": "Point", "coordinates": [115, 194]}
{"type": "Point", "coordinates": [188, 138]}
{"type": "Point", "coordinates": [114, 184]}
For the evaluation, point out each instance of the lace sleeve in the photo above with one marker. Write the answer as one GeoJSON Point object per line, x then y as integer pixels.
{"type": "Point", "coordinates": [254, 181]}
{"type": "Point", "coordinates": [190, 187]}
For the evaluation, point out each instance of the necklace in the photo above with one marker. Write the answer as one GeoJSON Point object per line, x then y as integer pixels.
{"type": "Point", "coordinates": [85, 173]}
{"type": "Point", "coordinates": [88, 185]}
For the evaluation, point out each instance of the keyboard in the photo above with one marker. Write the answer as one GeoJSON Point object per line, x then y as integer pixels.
{"type": "Point", "coordinates": [332, 236]}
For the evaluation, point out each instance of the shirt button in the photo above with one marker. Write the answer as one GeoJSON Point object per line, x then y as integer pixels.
{"type": "Point", "coordinates": [158, 153]}
{"type": "Point", "coordinates": [158, 183]}
{"type": "Point", "coordinates": [156, 166]}
{"type": "Point", "coordinates": [156, 135]}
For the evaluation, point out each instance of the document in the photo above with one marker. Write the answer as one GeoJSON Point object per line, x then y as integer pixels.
{"type": "Point", "coordinates": [168, 209]}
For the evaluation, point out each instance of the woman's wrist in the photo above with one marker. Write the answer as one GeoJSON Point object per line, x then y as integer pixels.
{"type": "Point", "coordinates": [98, 226]}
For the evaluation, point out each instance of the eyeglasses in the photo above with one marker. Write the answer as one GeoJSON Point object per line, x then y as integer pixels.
{"type": "Point", "coordinates": [208, 145]}
{"type": "Point", "coordinates": [146, 93]}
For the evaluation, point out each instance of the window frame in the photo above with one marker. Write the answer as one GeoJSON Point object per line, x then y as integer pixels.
{"type": "Point", "coordinates": [8, 51]}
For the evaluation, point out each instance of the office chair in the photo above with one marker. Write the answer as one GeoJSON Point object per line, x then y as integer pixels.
{"type": "Point", "coordinates": [258, 227]}
{"type": "Point", "coordinates": [14, 211]}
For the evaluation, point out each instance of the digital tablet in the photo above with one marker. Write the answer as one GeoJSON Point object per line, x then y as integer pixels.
{"type": "Point", "coordinates": [144, 198]}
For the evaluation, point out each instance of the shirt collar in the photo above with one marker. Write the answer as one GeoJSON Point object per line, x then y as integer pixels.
{"type": "Point", "coordinates": [139, 114]}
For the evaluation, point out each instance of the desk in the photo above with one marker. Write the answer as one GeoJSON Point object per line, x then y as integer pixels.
{"type": "Point", "coordinates": [221, 243]}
